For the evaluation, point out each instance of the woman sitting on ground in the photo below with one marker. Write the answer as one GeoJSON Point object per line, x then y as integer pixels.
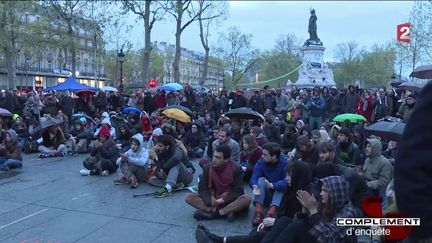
{"type": "Point", "coordinates": [251, 152]}
{"type": "Point", "coordinates": [10, 152]}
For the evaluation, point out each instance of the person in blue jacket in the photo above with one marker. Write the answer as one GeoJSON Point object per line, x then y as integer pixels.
{"type": "Point", "coordinates": [268, 181]}
{"type": "Point", "coordinates": [316, 107]}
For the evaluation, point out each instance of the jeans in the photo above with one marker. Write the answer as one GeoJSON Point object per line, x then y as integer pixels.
{"type": "Point", "coordinates": [315, 122]}
{"type": "Point", "coordinates": [44, 149]}
{"type": "Point", "coordinates": [10, 163]}
{"type": "Point", "coordinates": [267, 197]}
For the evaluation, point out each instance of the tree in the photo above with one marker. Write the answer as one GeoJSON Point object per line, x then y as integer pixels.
{"type": "Point", "coordinates": [216, 11]}
{"type": "Point", "coordinates": [14, 34]}
{"type": "Point", "coordinates": [348, 55]}
{"type": "Point", "coordinates": [419, 50]}
{"type": "Point", "coordinates": [149, 17]}
{"type": "Point", "coordinates": [70, 12]}
{"type": "Point", "coordinates": [377, 65]}
{"type": "Point", "coordinates": [236, 50]}
{"type": "Point", "coordinates": [181, 11]}
{"type": "Point", "coordinates": [283, 58]}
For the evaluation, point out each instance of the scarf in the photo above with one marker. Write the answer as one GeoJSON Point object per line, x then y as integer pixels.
{"type": "Point", "coordinates": [222, 178]}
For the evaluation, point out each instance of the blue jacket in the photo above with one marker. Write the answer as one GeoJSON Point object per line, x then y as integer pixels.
{"type": "Point", "coordinates": [317, 108]}
{"type": "Point", "coordinates": [274, 174]}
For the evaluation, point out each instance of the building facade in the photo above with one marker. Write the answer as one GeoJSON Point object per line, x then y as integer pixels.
{"type": "Point", "coordinates": [191, 67]}
{"type": "Point", "coordinates": [38, 68]}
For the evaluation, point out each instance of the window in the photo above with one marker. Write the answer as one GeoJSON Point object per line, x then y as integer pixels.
{"type": "Point", "coordinates": [61, 80]}
{"type": "Point", "coordinates": [39, 82]}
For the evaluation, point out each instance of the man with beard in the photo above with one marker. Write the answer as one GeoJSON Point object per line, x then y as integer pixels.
{"type": "Point", "coordinates": [347, 150]}
{"type": "Point", "coordinates": [225, 138]}
{"type": "Point", "coordinates": [171, 173]}
{"type": "Point", "coordinates": [220, 188]}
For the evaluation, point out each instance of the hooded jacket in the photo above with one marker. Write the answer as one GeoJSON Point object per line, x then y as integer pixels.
{"type": "Point", "coordinates": [108, 150]}
{"type": "Point", "coordinates": [11, 150]}
{"type": "Point", "coordinates": [377, 170]}
{"type": "Point", "coordinates": [328, 232]}
{"type": "Point", "coordinates": [106, 120]}
{"type": "Point", "coordinates": [140, 157]}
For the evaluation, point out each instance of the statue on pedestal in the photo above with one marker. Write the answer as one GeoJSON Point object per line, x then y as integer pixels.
{"type": "Point", "coordinates": [312, 29]}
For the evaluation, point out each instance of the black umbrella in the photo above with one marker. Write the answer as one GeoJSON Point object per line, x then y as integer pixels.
{"type": "Point", "coordinates": [422, 72]}
{"type": "Point", "coordinates": [387, 130]}
{"type": "Point", "coordinates": [46, 123]}
{"type": "Point", "coordinates": [180, 107]}
{"type": "Point", "coordinates": [244, 113]}
{"type": "Point", "coordinates": [416, 87]}
{"type": "Point", "coordinates": [395, 82]}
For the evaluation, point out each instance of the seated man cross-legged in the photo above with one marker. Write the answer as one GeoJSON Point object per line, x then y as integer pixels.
{"type": "Point", "coordinates": [220, 188]}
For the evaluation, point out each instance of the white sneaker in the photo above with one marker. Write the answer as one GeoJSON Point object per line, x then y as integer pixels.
{"type": "Point", "coordinates": [105, 173]}
{"type": "Point", "coordinates": [85, 172]}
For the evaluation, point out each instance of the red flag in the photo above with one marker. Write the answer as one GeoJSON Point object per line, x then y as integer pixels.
{"type": "Point", "coordinates": [404, 32]}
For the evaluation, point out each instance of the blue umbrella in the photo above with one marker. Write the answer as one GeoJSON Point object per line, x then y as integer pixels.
{"type": "Point", "coordinates": [167, 88]}
{"type": "Point", "coordinates": [131, 109]}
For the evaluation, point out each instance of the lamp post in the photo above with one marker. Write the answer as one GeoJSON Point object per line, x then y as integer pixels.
{"type": "Point", "coordinates": [121, 58]}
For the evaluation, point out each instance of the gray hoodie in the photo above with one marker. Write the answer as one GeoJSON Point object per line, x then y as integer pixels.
{"type": "Point", "coordinates": [377, 170]}
{"type": "Point", "coordinates": [140, 157]}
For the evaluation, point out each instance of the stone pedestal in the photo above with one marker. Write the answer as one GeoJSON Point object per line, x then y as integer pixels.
{"type": "Point", "coordinates": [314, 72]}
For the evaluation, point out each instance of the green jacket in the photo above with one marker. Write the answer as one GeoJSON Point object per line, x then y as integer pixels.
{"type": "Point", "coordinates": [377, 170]}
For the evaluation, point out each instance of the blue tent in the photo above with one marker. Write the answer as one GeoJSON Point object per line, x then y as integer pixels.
{"type": "Point", "coordinates": [71, 85]}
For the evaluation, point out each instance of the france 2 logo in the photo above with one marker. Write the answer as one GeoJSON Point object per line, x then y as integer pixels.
{"type": "Point", "coordinates": [404, 32]}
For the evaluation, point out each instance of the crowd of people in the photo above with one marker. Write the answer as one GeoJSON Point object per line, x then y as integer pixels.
{"type": "Point", "coordinates": [304, 170]}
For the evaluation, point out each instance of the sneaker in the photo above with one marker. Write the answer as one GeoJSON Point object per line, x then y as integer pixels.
{"type": "Point", "coordinates": [105, 173]}
{"type": "Point", "coordinates": [85, 172]}
{"type": "Point", "coordinates": [43, 155]}
{"type": "Point", "coordinates": [163, 192]}
{"type": "Point", "coordinates": [257, 218]}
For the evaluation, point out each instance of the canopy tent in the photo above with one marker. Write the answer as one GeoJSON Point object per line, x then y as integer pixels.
{"type": "Point", "coordinates": [71, 85]}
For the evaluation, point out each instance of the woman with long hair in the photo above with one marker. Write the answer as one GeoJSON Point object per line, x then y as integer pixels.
{"type": "Point", "coordinates": [251, 152]}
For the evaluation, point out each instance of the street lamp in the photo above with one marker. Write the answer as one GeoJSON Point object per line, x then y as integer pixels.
{"type": "Point", "coordinates": [121, 58]}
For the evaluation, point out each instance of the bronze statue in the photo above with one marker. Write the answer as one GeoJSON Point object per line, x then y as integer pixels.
{"type": "Point", "coordinates": [312, 29]}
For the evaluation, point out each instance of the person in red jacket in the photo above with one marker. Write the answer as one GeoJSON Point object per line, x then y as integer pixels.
{"type": "Point", "coordinates": [364, 105]}
{"type": "Point", "coordinates": [160, 99]}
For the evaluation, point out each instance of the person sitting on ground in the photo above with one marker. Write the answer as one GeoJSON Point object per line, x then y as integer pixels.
{"type": "Point", "coordinates": [134, 122]}
{"type": "Point", "coordinates": [307, 151]}
{"type": "Point", "coordinates": [53, 142]}
{"type": "Point", "coordinates": [347, 150]}
{"type": "Point", "coordinates": [10, 152]}
{"type": "Point", "coordinates": [220, 188]}
{"type": "Point", "coordinates": [134, 163]}
{"type": "Point", "coordinates": [103, 155]}
{"type": "Point", "coordinates": [358, 187]}
{"type": "Point", "coordinates": [250, 154]}
{"type": "Point", "coordinates": [209, 151]}
{"type": "Point", "coordinates": [299, 177]}
{"type": "Point", "coordinates": [377, 170]}
{"type": "Point", "coordinates": [268, 182]}
{"type": "Point", "coordinates": [123, 139]}
{"type": "Point", "coordinates": [225, 138]}
{"type": "Point", "coordinates": [171, 173]}
{"type": "Point", "coordinates": [194, 142]}
{"type": "Point", "coordinates": [79, 137]}
{"type": "Point", "coordinates": [106, 121]}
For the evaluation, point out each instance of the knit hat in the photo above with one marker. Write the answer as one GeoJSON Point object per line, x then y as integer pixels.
{"type": "Point", "coordinates": [104, 131]}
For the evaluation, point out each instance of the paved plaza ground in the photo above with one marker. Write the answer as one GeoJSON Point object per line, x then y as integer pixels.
{"type": "Point", "coordinates": [49, 201]}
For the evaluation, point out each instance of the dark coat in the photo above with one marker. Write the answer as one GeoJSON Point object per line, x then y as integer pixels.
{"type": "Point", "coordinates": [56, 141]}
{"type": "Point", "coordinates": [413, 174]}
{"type": "Point", "coordinates": [107, 151]}
{"type": "Point", "coordinates": [169, 159]}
